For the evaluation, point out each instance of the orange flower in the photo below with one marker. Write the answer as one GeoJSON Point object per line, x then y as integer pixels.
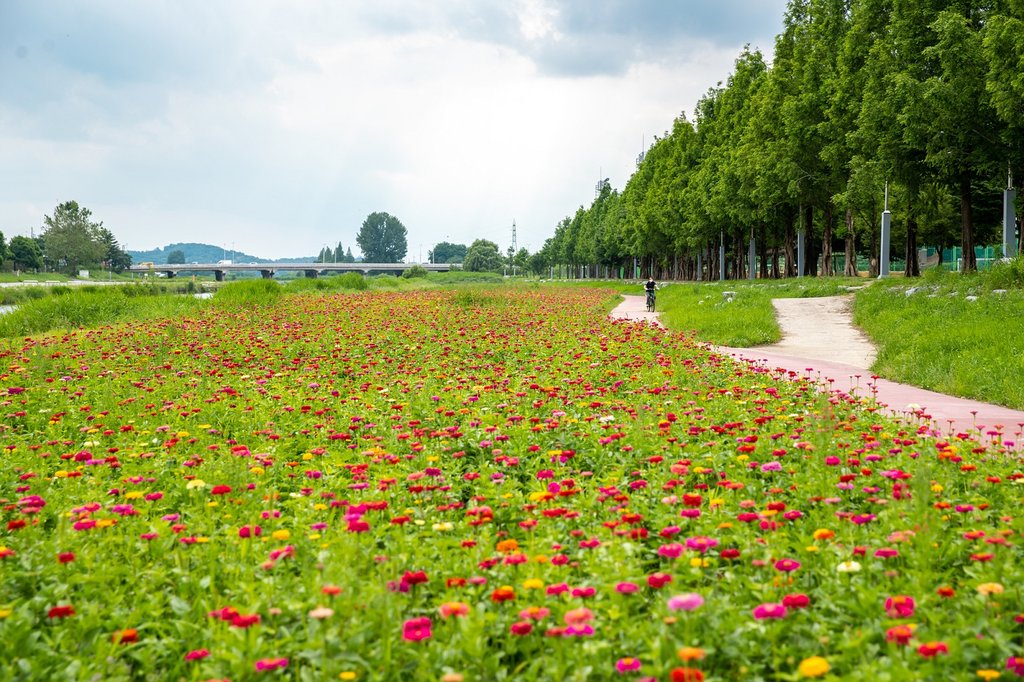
{"type": "Point", "coordinates": [509, 546]}
{"type": "Point", "coordinates": [691, 653]}
{"type": "Point", "coordinates": [126, 636]}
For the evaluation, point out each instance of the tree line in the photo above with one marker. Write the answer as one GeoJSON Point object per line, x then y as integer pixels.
{"type": "Point", "coordinates": [69, 241]}
{"type": "Point", "coordinates": [918, 100]}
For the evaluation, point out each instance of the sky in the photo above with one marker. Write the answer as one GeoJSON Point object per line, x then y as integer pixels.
{"type": "Point", "coordinates": [276, 128]}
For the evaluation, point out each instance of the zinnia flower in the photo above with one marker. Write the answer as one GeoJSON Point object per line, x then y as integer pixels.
{"type": "Point", "coordinates": [686, 675]}
{"type": "Point", "coordinates": [685, 602]}
{"type": "Point", "coordinates": [932, 649]}
{"type": "Point", "coordinates": [815, 666]}
{"type": "Point", "coordinates": [900, 606]}
{"type": "Point", "coordinates": [769, 610]}
{"type": "Point", "coordinates": [271, 664]}
{"type": "Point", "coordinates": [416, 629]}
{"type": "Point", "coordinates": [627, 665]}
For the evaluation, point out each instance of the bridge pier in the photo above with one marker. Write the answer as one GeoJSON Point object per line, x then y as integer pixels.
{"type": "Point", "coordinates": [311, 274]}
{"type": "Point", "coordinates": [170, 274]}
{"type": "Point", "coordinates": [218, 275]}
{"type": "Point", "coordinates": [267, 274]}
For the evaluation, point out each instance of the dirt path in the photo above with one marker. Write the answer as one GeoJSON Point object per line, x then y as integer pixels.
{"type": "Point", "coordinates": [821, 329]}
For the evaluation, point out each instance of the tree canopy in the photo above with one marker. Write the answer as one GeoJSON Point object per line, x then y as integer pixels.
{"type": "Point", "coordinates": [483, 256]}
{"type": "Point", "coordinates": [382, 238]}
{"type": "Point", "coordinates": [72, 240]}
{"type": "Point", "coordinates": [925, 96]}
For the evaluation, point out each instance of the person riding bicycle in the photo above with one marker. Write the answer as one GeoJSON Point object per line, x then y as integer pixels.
{"type": "Point", "coordinates": [649, 286]}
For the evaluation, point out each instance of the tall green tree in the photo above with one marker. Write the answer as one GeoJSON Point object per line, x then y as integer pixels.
{"type": "Point", "coordinates": [447, 252]}
{"type": "Point", "coordinates": [26, 253]}
{"type": "Point", "coordinates": [177, 256]}
{"type": "Point", "coordinates": [483, 256]}
{"type": "Point", "coordinates": [72, 239]}
{"type": "Point", "coordinates": [382, 238]}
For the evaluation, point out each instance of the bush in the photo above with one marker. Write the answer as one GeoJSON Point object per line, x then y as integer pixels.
{"type": "Point", "coordinates": [415, 271]}
{"type": "Point", "coordinates": [248, 292]}
{"type": "Point", "coordinates": [352, 280]}
{"type": "Point", "coordinates": [1007, 274]}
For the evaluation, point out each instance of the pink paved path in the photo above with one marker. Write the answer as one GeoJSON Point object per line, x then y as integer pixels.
{"type": "Point", "coordinates": [947, 415]}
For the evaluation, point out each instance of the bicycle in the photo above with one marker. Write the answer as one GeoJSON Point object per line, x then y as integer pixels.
{"type": "Point", "coordinates": [650, 301]}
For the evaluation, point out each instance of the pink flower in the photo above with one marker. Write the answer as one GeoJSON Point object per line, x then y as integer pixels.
{"type": "Point", "coordinates": [769, 610]}
{"type": "Point", "coordinates": [701, 543]}
{"type": "Point", "coordinates": [685, 602]}
{"type": "Point", "coordinates": [416, 629]}
{"type": "Point", "coordinates": [626, 588]}
{"type": "Point", "coordinates": [521, 628]}
{"type": "Point", "coordinates": [627, 665]}
{"type": "Point", "coordinates": [197, 654]}
{"type": "Point", "coordinates": [1016, 665]}
{"type": "Point", "coordinates": [671, 551]}
{"type": "Point", "coordinates": [787, 565]}
{"type": "Point", "coordinates": [271, 664]}
{"type": "Point", "coordinates": [578, 616]}
{"type": "Point", "coordinates": [658, 580]}
{"type": "Point", "coordinates": [900, 606]}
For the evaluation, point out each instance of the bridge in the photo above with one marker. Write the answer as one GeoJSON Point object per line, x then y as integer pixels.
{"type": "Point", "coordinates": [268, 270]}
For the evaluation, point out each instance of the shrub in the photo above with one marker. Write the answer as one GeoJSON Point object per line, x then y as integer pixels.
{"type": "Point", "coordinates": [352, 280]}
{"type": "Point", "coordinates": [248, 292]}
{"type": "Point", "coordinates": [415, 271]}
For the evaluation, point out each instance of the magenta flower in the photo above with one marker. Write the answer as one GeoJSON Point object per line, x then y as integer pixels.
{"type": "Point", "coordinates": [671, 551]}
{"type": "Point", "coordinates": [900, 606]}
{"type": "Point", "coordinates": [271, 664]}
{"type": "Point", "coordinates": [701, 543]}
{"type": "Point", "coordinates": [769, 610]}
{"type": "Point", "coordinates": [787, 565]}
{"type": "Point", "coordinates": [416, 629]}
{"type": "Point", "coordinates": [627, 665]}
{"type": "Point", "coordinates": [626, 588]}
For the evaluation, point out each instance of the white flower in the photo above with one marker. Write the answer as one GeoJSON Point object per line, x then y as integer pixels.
{"type": "Point", "coordinates": [848, 567]}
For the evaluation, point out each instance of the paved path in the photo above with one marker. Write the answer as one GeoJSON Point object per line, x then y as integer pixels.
{"type": "Point", "coordinates": [820, 342]}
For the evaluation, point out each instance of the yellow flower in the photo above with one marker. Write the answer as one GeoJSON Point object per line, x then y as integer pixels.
{"type": "Point", "coordinates": [444, 526]}
{"type": "Point", "coordinates": [5, 613]}
{"type": "Point", "coordinates": [282, 534]}
{"type": "Point", "coordinates": [533, 584]}
{"type": "Point", "coordinates": [133, 495]}
{"type": "Point", "coordinates": [988, 589]}
{"type": "Point", "coordinates": [347, 675]}
{"type": "Point", "coordinates": [307, 456]}
{"type": "Point", "coordinates": [824, 534]}
{"type": "Point", "coordinates": [195, 483]}
{"type": "Point", "coordinates": [60, 474]}
{"type": "Point", "coordinates": [257, 470]}
{"type": "Point", "coordinates": [105, 523]}
{"type": "Point", "coordinates": [319, 506]}
{"type": "Point", "coordinates": [697, 562]}
{"type": "Point", "coordinates": [988, 674]}
{"type": "Point", "coordinates": [691, 653]}
{"type": "Point", "coordinates": [815, 666]}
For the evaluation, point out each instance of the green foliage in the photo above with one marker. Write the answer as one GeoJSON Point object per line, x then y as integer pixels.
{"type": "Point", "coordinates": [464, 277]}
{"type": "Point", "coordinates": [248, 292]}
{"type": "Point", "coordinates": [73, 308]}
{"type": "Point", "coordinates": [446, 252]}
{"type": "Point", "coordinates": [72, 239]}
{"type": "Point", "coordinates": [1006, 274]}
{"type": "Point", "coordinates": [483, 256]}
{"type": "Point", "coordinates": [26, 253]}
{"type": "Point", "coordinates": [415, 271]}
{"type": "Point", "coordinates": [382, 239]}
{"type": "Point", "coordinates": [177, 256]}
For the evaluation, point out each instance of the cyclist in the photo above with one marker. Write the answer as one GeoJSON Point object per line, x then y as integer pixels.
{"type": "Point", "coordinates": [649, 286]}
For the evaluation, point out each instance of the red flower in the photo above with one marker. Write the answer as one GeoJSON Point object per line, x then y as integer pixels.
{"type": "Point", "coordinates": [686, 675]}
{"type": "Point", "coordinates": [932, 649]}
{"type": "Point", "coordinates": [503, 594]}
{"type": "Point", "coordinates": [521, 628]}
{"type": "Point", "coordinates": [416, 629]}
{"type": "Point", "coordinates": [61, 611]}
{"type": "Point", "coordinates": [197, 654]}
{"type": "Point", "coordinates": [220, 490]}
{"type": "Point", "coordinates": [796, 601]}
{"type": "Point", "coordinates": [66, 557]}
{"type": "Point", "coordinates": [658, 580]}
{"type": "Point", "coordinates": [900, 634]}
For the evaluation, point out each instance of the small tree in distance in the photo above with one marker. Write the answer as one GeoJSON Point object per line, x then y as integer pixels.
{"type": "Point", "coordinates": [176, 257]}
{"type": "Point", "coordinates": [483, 256]}
{"type": "Point", "coordinates": [382, 239]}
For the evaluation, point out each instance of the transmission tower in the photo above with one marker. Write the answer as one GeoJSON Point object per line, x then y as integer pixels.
{"type": "Point", "coordinates": [514, 249]}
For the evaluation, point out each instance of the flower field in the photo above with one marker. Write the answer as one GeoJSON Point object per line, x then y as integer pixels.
{"type": "Point", "coordinates": [488, 484]}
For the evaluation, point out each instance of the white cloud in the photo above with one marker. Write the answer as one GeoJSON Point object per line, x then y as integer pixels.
{"type": "Point", "coordinates": [279, 129]}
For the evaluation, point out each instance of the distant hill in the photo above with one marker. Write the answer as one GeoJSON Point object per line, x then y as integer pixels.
{"type": "Point", "coordinates": [207, 253]}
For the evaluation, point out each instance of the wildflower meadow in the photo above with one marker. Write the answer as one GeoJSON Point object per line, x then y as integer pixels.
{"type": "Point", "coordinates": [483, 484]}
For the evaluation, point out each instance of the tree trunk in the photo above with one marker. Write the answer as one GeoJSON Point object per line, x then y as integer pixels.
{"type": "Point", "coordinates": [970, 264]}
{"type": "Point", "coordinates": [850, 247]}
{"type": "Point", "coordinates": [763, 251]}
{"type": "Point", "coordinates": [826, 242]}
{"type": "Point", "coordinates": [913, 267]}
{"type": "Point", "coordinates": [789, 240]}
{"type": "Point", "coordinates": [810, 252]}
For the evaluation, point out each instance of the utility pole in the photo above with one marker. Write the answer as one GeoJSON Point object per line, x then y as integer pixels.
{"type": "Point", "coordinates": [514, 249]}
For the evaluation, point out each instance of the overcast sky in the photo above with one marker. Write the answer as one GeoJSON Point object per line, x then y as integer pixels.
{"type": "Point", "coordinates": [275, 128]}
